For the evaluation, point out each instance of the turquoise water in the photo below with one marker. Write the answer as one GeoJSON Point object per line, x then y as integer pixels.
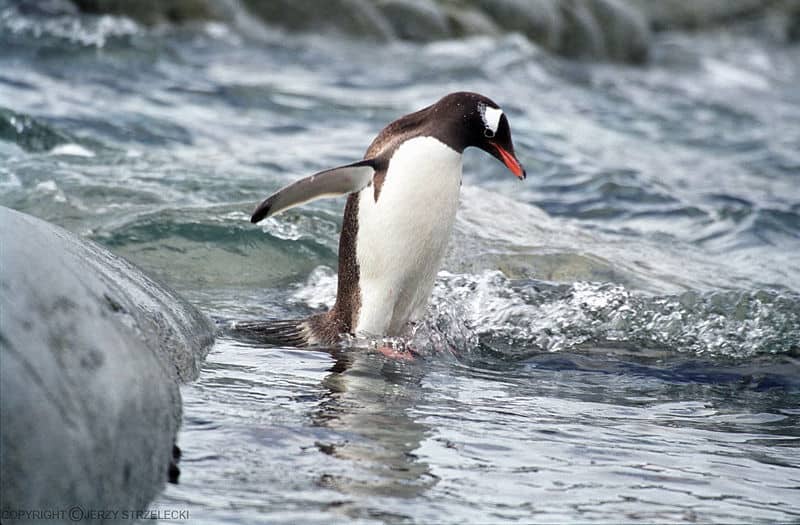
{"type": "Point", "coordinates": [614, 339]}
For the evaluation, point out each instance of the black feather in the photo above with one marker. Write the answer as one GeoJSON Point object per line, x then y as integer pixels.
{"type": "Point", "coordinates": [272, 332]}
{"type": "Point", "coordinates": [261, 211]}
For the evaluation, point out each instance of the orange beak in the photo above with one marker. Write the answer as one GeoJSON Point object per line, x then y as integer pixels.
{"type": "Point", "coordinates": [511, 162]}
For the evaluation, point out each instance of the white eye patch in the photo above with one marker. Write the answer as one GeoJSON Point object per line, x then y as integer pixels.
{"type": "Point", "coordinates": [491, 118]}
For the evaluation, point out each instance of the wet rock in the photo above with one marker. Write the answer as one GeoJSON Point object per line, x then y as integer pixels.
{"type": "Point", "coordinates": [156, 11]}
{"type": "Point", "coordinates": [359, 18]}
{"type": "Point", "coordinates": [617, 30]}
{"type": "Point", "coordinates": [582, 35]}
{"type": "Point", "coordinates": [683, 14]}
{"type": "Point", "coordinates": [788, 14]}
{"type": "Point", "coordinates": [625, 32]}
{"type": "Point", "coordinates": [418, 20]}
{"type": "Point", "coordinates": [540, 20]}
{"type": "Point", "coordinates": [586, 29]}
{"type": "Point", "coordinates": [793, 29]}
{"type": "Point", "coordinates": [48, 8]}
{"type": "Point", "coordinates": [91, 355]}
{"type": "Point", "coordinates": [467, 21]}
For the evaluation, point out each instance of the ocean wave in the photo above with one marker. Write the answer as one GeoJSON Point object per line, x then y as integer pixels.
{"type": "Point", "coordinates": [63, 25]}
{"type": "Point", "coordinates": [216, 246]}
{"type": "Point", "coordinates": [473, 313]}
{"type": "Point", "coordinates": [511, 316]}
{"type": "Point", "coordinates": [30, 133]}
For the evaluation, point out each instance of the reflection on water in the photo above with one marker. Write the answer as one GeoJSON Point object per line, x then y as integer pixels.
{"type": "Point", "coordinates": [369, 399]}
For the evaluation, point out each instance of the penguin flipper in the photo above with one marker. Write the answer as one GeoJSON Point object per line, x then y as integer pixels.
{"type": "Point", "coordinates": [329, 183]}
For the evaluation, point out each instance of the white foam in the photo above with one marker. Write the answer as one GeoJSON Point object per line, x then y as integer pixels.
{"type": "Point", "coordinates": [75, 150]}
{"type": "Point", "coordinates": [50, 187]}
{"type": "Point", "coordinates": [728, 75]}
{"type": "Point", "coordinates": [319, 289]}
{"type": "Point", "coordinates": [47, 186]}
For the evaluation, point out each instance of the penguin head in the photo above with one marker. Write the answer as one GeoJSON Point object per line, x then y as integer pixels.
{"type": "Point", "coordinates": [473, 120]}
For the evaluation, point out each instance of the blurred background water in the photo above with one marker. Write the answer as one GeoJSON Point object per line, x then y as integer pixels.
{"type": "Point", "coordinates": [615, 339]}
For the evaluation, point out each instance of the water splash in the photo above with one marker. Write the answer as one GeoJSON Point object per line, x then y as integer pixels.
{"type": "Point", "coordinates": [319, 290]}
{"type": "Point", "coordinates": [83, 31]}
{"type": "Point", "coordinates": [506, 314]}
{"type": "Point", "coordinates": [30, 134]}
{"type": "Point", "coordinates": [470, 312]}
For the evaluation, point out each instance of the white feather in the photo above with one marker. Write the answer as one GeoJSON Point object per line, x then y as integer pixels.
{"type": "Point", "coordinates": [402, 238]}
{"type": "Point", "coordinates": [491, 117]}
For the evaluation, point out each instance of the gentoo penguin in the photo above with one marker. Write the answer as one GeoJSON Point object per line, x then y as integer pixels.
{"type": "Point", "coordinates": [400, 211]}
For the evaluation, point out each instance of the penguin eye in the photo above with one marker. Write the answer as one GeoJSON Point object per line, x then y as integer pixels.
{"type": "Point", "coordinates": [489, 134]}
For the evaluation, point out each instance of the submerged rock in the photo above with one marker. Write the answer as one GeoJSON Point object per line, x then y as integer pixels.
{"type": "Point", "coordinates": [91, 355]}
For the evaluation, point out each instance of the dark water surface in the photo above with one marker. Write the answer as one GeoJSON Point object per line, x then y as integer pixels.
{"type": "Point", "coordinates": [617, 339]}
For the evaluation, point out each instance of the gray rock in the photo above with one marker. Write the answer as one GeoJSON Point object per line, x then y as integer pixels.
{"type": "Point", "coordinates": [540, 20]}
{"type": "Point", "coordinates": [604, 30]}
{"type": "Point", "coordinates": [418, 20]}
{"type": "Point", "coordinates": [582, 36]}
{"type": "Point", "coordinates": [617, 30]}
{"type": "Point", "coordinates": [156, 11]}
{"type": "Point", "coordinates": [626, 32]}
{"type": "Point", "coordinates": [91, 355]}
{"type": "Point", "coordinates": [586, 29]}
{"type": "Point", "coordinates": [359, 18]}
{"type": "Point", "coordinates": [686, 14]}
{"type": "Point", "coordinates": [785, 15]}
{"type": "Point", "coordinates": [467, 21]}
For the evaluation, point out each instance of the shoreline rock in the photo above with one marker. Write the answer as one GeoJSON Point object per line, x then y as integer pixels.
{"type": "Point", "coordinates": [606, 30]}
{"type": "Point", "coordinates": [92, 352]}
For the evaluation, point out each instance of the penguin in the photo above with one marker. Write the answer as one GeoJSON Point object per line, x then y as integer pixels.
{"type": "Point", "coordinates": [401, 207]}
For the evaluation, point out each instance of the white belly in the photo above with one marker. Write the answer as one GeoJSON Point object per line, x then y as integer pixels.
{"type": "Point", "coordinates": [403, 237]}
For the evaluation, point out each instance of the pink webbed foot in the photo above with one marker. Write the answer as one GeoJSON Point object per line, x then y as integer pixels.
{"type": "Point", "coordinates": [394, 353]}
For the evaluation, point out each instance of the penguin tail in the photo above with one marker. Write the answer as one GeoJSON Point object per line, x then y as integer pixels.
{"type": "Point", "coordinates": [294, 332]}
